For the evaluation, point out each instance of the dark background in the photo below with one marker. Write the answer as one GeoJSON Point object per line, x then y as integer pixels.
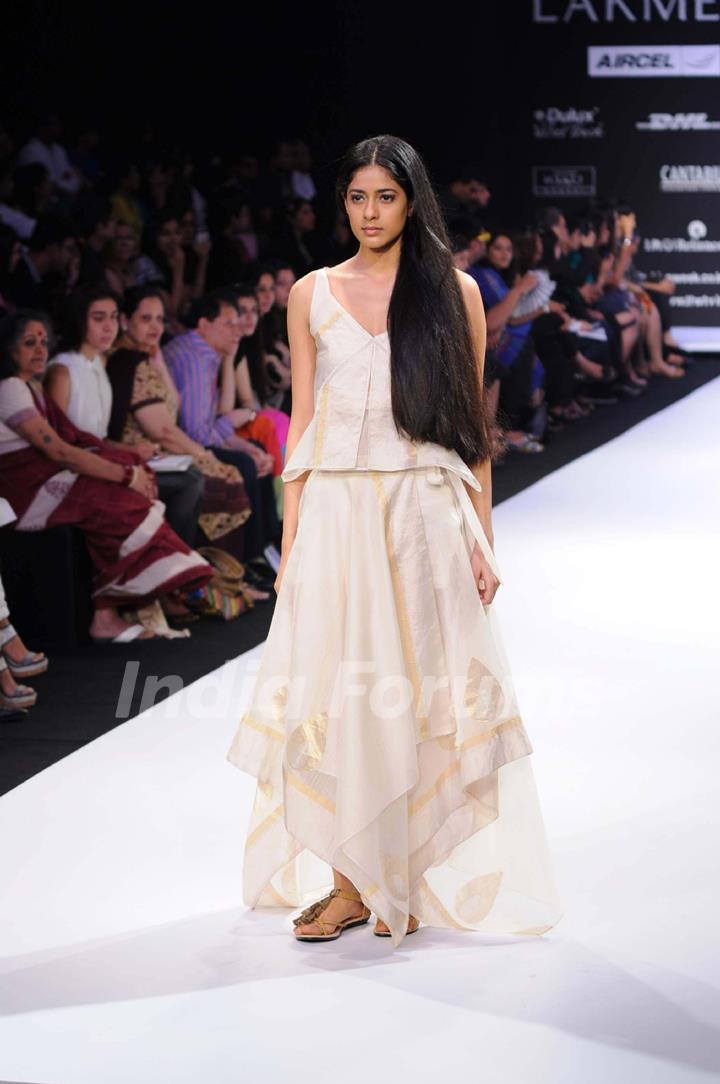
{"type": "Point", "coordinates": [460, 82]}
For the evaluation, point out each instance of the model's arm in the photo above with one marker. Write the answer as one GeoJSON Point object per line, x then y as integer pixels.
{"type": "Point", "coordinates": [302, 348]}
{"type": "Point", "coordinates": [482, 470]}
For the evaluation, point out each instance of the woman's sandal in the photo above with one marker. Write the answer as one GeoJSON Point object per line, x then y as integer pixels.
{"type": "Point", "coordinates": [311, 913]}
{"type": "Point", "coordinates": [386, 931]}
{"type": "Point", "coordinates": [22, 697]}
{"type": "Point", "coordinates": [32, 664]}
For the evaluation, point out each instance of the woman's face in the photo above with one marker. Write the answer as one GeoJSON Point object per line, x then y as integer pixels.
{"type": "Point", "coordinates": [147, 324]}
{"type": "Point", "coordinates": [30, 352]}
{"type": "Point", "coordinates": [101, 325]}
{"type": "Point", "coordinates": [168, 238]}
{"type": "Point", "coordinates": [124, 244]}
{"type": "Point", "coordinates": [265, 293]}
{"type": "Point", "coordinates": [187, 228]}
{"type": "Point", "coordinates": [500, 252]}
{"type": "Point", "coordinates": [377, 207]}
{"type": "Point", "coordinates": [249, 315]}
{"type": "Point", "coordinates": [304, 218]}
{"type": "Point", "coordinates": [284, 280]}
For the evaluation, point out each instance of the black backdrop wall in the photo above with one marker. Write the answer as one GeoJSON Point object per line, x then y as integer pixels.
{"type": "Point", "coordinates": [503, 83]}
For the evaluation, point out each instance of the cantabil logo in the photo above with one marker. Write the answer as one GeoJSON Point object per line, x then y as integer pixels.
{"type": "Point", "coordinates": [555, 123]}
{"type": "Point", "coordinates": [629, 11]}
{"type": "Point", "coordinates": [690, 178]}
{"type": "Point", "coordinates": [678, 122]}
{"type": "Point", "coordinates": [653, 61]}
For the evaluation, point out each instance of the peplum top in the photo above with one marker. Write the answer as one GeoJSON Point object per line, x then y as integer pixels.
{"type": "Point", "coordinates": [352, 427]}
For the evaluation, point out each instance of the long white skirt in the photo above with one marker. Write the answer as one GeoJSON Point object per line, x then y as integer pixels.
{"type": "Point", "coordinates": [383, 727]}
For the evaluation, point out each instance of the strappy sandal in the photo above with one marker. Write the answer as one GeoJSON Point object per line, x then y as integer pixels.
{"type": "Point", "coordinates": [311, 913]}
{"type": "Point", "coordinates": [32, 664]}
{"type": "Point", "coordinates": [22, 697]}
{"type": "Point", "coordinates": [386, 932]}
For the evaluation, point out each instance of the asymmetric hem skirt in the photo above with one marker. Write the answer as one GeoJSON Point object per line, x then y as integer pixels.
{"type": "Point", "coordinates": [383, 728]}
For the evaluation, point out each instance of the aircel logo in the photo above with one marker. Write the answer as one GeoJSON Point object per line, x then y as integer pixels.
{"type": "Point", "coordinates": [678, 122]}
{"type": "Point", "coordinates": [690, 178]}
{"type": "Point", "coordinates": [554, 123]}
{"type": "Point", "coordinates": [653, 61]}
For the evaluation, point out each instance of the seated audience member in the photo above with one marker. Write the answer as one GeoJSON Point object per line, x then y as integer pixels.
{"type": "Point", "coordinates": [32, 192]}
{"type": "Point", "coordinates": [236, 245]}
{"type": "Point", "coordinates": [53, 473]}
{"type": "Point", "coordinates": [196, 246]}
{"type": "Point", "coordinates": [78, 382]}
{"type": "Point", "coordinates": [278, 391]}
{"type": "Point", "coordinates": [10, 256]}
{"type": "Point", "coordinates": [22, 224]}
{"type": "Point", "coordinates": [466, 197]}
{"type": "Point", "coordinates": [97, 225]}
{"type": "Point", "coordinates": [44, 148]}
{"type": "Point", "coordinates": [46, 272]}
{"type": "Point", "coordinates": [125, 203]}
{"type": "Point", "coordinates": [297, 241]}
{"type": "Point", "coordinates": [521, 372]}
{"type": "Point", "coordinates": [201, 363]}
{"type": "Point", "coordinates": [121, 257]}
{"type": "Point", "coordinates": [166, 264]}
{"type": "Point", "coordinates": [145, 407]}
{"type": "Point", "coordinates": [270, 426]}
{"type": "Point", "coordinates": [16, 661]}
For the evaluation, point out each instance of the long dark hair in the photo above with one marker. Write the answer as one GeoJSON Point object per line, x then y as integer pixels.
{"type": "Point", "coordinates": [77, 307]}
{"type": "Point", "coordinates": [436, 393]}
{"type": "Point", "coordinates": [252, 347]}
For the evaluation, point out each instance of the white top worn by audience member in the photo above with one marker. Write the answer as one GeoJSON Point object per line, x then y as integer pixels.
{"type": "Point", "coordinates": [90, 392]}
{"type": "Point", "coordinates": [54, 157]}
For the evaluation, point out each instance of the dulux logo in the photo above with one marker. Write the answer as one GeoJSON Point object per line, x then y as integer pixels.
{"type": "Point", "coordinates": [554, 123]}
{"type": "Point", "coordinates": [678, 122]}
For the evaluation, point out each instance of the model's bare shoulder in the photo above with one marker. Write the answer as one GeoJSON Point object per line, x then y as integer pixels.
{"type": "Point", "coordinates": [468, 285]}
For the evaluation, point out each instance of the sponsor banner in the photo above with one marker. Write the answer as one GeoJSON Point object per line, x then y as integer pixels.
{"type": "Point", "coordinates": [556, 123]}
{"type": "Point", "coordinates": [563, 181]}
{"type": "Point", "coordinates": [653, 61]}
{"type": "Point", "coordinates": [629, 11]}
{"type": "Point", "coordinates": [678, 122]}
{"type": "Point", "coordinates": [697, 241]}
{"type": "Point", "coordinates": [690, 178]}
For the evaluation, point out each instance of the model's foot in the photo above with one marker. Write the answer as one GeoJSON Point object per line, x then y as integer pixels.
{"type": "Point", "coordinates": [337, 910]}
{"type": "Point", "coordinates": [383, 928]}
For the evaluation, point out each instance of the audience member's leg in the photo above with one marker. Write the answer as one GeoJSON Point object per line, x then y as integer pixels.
{"type": "Point", "coordinates": [254, 532]}
{"type": "Point", "coordinates": [181, 493]}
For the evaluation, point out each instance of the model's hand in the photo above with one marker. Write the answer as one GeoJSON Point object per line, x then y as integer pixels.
{"type": "Point", "coordinates": [486, 580]}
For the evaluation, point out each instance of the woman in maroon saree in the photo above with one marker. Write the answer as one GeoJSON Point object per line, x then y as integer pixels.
{"type": "Point", "coordinates": [53, 473]}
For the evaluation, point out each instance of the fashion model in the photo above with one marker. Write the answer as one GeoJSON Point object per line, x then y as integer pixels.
{"type": "Point", "coordinates": [383, 729]}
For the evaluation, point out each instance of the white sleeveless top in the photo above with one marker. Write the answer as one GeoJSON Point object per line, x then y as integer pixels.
{"type": "Point", "coordinates": [353, 427]}
{"type": "Point", "coordinates": [90, 392]}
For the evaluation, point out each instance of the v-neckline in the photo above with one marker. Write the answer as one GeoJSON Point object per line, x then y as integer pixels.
{"type": "Point", "coordinates": [347, 312]}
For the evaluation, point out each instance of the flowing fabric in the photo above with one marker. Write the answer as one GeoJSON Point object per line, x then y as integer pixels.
{"type": "Point", "coordinates": [383, 727]}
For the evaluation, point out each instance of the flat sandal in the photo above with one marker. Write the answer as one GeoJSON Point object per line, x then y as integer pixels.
{"type": "Point", "coordinates": [383, 933]}
{"type": "Point", "coordinates": [310, 914]}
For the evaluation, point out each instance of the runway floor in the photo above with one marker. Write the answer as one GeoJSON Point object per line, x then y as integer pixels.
{"type": "Point", "coordinates": [126, 954]}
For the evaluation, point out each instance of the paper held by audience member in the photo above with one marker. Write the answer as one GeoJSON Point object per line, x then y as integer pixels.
{"type": "Point", "coordinates": [162, 463]}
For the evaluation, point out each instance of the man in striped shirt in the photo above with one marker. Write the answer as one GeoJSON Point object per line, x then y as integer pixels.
{"type": "Point", "coordinates": [202, 365]}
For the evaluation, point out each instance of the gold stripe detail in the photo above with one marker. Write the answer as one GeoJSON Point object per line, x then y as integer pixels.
{"type": "Point", "coordinates": [478, 739]}
{"type": "Point", "coordinates": [249, 720]}
{"type": "Point", "coordinates": [310, 792]}
{"type": "Point", "coordinates": [268, 822]}
{"type": "Point", "coordinates": [321, 424]}
{"type": "Point", "coordinates": [432, 791]}
{"type": "Point", "coordinates": [328, 324]}
{"type": "Point", "coordinates": [403, 620]}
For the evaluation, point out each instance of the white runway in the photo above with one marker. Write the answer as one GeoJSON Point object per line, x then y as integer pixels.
{"type": "Point", "coordinates": [127, 957]}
